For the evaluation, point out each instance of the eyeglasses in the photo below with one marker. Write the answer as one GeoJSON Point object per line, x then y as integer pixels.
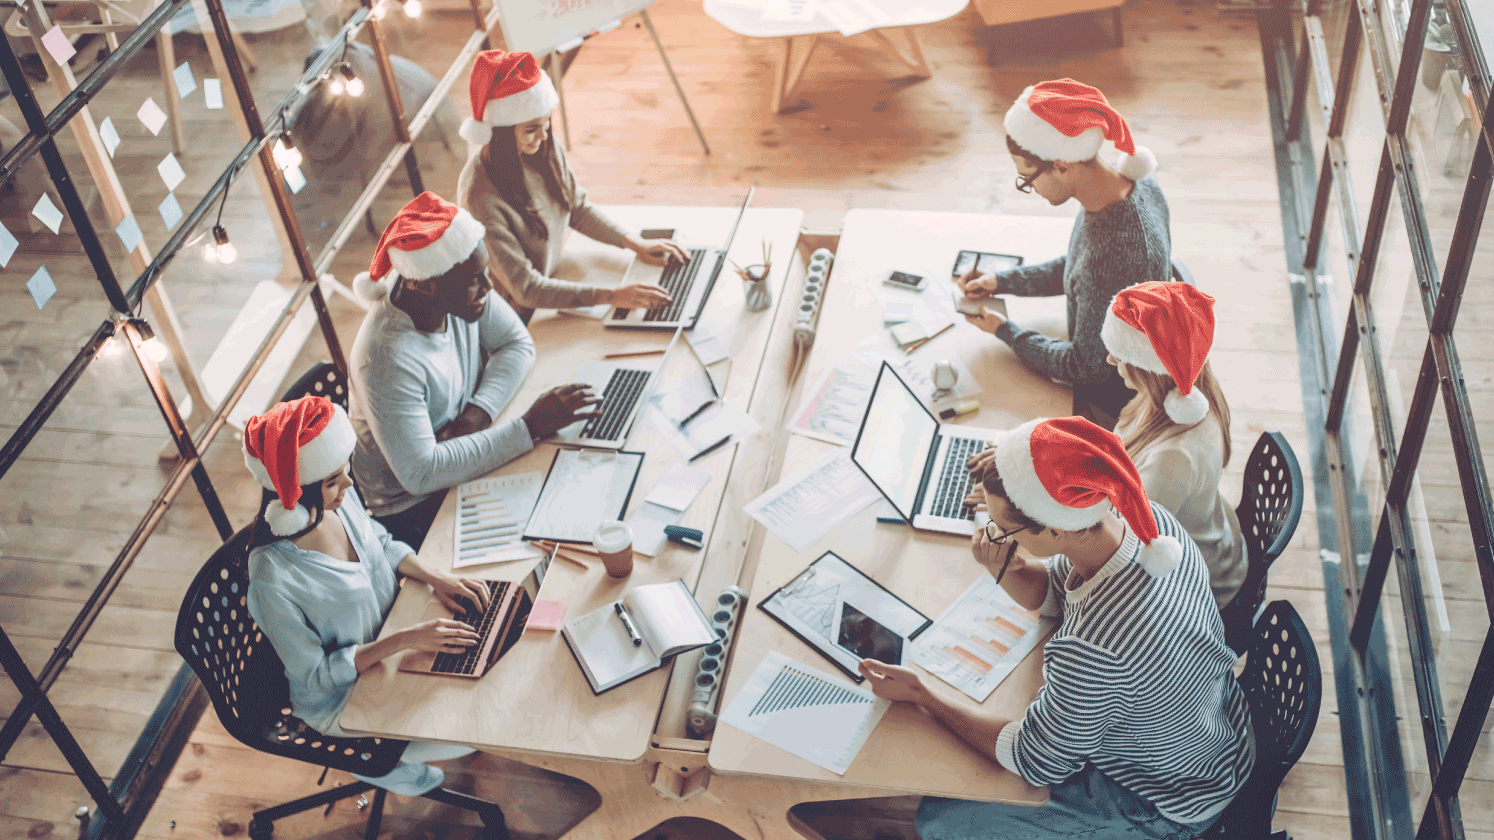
{"type": "Point", "coordinates": [997, 537]}
{"type": "Point", "coordinates": [1024, 182]}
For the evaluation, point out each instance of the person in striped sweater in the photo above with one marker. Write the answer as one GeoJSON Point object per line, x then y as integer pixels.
{"type": "Point", "coordinates": [1140, 729]}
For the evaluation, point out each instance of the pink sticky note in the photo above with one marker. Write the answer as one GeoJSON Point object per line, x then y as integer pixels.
{"type": "Point", "coordinates": [58, 45]}
{"type": "Point", "coordinates": [546, 615]}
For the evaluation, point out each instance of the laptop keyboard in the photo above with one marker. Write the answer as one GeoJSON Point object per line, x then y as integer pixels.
{"type": "Point", "coordinates": [677, 280]}
{"type": "Point", "coordinates": [955, 480]}
{"type": "Point", "coordinates": [618, 398]}
{"type": "Point", "coordinates": [466, 662]}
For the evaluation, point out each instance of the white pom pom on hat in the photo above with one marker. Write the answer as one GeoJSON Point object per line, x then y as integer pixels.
{"type": "Point", "coordinates": [1160, 556]}
{"type": "Point", "coordinates": [1185, 409]}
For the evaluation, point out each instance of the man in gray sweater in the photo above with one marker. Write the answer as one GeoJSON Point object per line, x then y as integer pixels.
{"type": "Point", "coordinates": [438, 357]}
{"type": "Point", "coordinates": [1054, 133]}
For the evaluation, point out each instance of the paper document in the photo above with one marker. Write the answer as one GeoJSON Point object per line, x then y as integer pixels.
{"type": "Point", "coordinates": [917, 369]}
{"type": "Point", "coordinates": [717, 422]}
{"type": "Point", "coordinates": [977, 641]}
{"type": "Point", "coordinates": [707, 346]}
{"type": "Point", "coordinates": [812, 714]}
{"type": "Point", "coordinates": [585, 488]}
{"type": "Point", "coordinates": [491, 513]}
{"type": "Point", "coordinates": [832, 408]}
{"type": "Point", "coordinates": [810, 503]}
{"type": "Point", "coordinates": [664, 505]}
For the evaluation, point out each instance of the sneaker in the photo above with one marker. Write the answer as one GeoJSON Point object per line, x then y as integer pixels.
{"type": "Point", "coordinates": [407, 779]}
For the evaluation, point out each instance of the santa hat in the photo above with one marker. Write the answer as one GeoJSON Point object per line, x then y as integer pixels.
{"type": "Point", "coordinates": [1068, 473]}
{"type": "Point", "coordinates": [428, 237]}
{"type": "Point", "coordinates": [507, 88]}
{"type": "Point", "coordinates": [295, 443]}
{"type": "Point", "coordinates": [1068, 120]}
{"type": "Point", "coordinates": [1166, 328]}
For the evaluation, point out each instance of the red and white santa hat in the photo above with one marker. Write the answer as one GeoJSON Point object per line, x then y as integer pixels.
{"type": "Point", "coordinates": [430, 236]}
{"type": "Point", "coordinates": [1068, 121]}
{"type": "Point", "coordinates": [1165, 327]}
{"type": "Point", "coordinates": [1068, 473]}
{"type": "Point", "coordinates": [294, 443]}
{"type": "Point", "coordinates": [507, 88]}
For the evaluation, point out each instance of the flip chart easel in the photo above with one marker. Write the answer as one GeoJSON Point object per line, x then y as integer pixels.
{"type": "Point", "coordinates": [549, 28]}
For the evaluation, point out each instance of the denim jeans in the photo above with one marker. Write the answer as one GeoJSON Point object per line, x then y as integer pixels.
{"type": "Point", "coordinates": [1088, 806]}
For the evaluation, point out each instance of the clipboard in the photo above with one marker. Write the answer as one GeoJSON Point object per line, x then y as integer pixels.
{"type": "Point", "coordinates": [583, 488]}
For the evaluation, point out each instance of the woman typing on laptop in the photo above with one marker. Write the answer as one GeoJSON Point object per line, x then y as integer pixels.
{"type": "Point", "coordinates": [320, 585]}
{"type": "Point", "coordinates": [521, 188]}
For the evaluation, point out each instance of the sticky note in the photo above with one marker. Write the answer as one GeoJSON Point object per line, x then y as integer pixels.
{"type": "Point", "coordinates": [212, 91]}
{"type": "Point", "coordinates": [171, 171]}
{"type": "Point", "coordinates": [8, 245]}
{"type": "Point", "coordinates": [110, 135]}
{"type": "Point", "coordinates": [545, 615]}
{"type": "Point", "coordinates": [58, 45]}
{"type": "Point", "coordinates": [170, 210]}
{"type": "Point", "coordinates": [41, 287]}
{"type": "Point", "coordinates": [129, 232]}
{"type": "Point", "coordinates": [295, 179]}
{"type": "Point", "coordinates": [185, 84]}
{"type": "Point", "coordinates": [48, 213]}
{"type": "Point", "coordinates": [151, 115]}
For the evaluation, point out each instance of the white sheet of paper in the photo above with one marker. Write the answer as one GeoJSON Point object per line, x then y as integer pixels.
{"type": "Point", "coordinates": [110, 135]}
{"type": "Point", "coordinates": [717, 422]}
{"type": "Point", "coordinates": [8, 245]}
{"type": "Point", "coordinates": [585, 487]}
{"type": "Point", "coordinates": [796, 11]}
{"type": "Point", "coordinates": [983, 624]}
{"type": "Point", "coordinates": [41, 287]}
{"type": "Point", "coordinates": [647, 524]}
{"type": "Point", "coordinates": [833, 407]}
{"type": "Point", "coordinates": [809, 504]}
{"type": "Point", "coordinates": [58, 45]}
{"type": "Point", "coordinates": [171, 171]}
{"type": "Point", "coordinates": [129, 232]}
{"type": "Point", "coordinates": [295, 179]}
{"type": "Point", "coordinates": [212, 93]}
{"type": "Point", "coordinates": [185, 83]}
{"type": "Point", "coordinates": [48, 213]}
{"type": "Point", "coordinates": [597, 312]}
{"type": "Point", "coordinates": [151, 115]}
{"type": "Point", "coordinates": [170, 210]}
{"type": "Point", "coordinates": [707, 345]}
{"type": "Point", "coordinates": [678, 487]}
{"type": "Point", "coordinates": [490, 513]}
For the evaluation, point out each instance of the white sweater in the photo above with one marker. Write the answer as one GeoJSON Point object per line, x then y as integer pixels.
{"type": "Point", "coordinates": [1180, 471]}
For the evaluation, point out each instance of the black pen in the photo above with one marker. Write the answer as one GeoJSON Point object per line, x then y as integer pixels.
{"type": "Point", "coordinates": [696, 413]}
{"type": "Point", "coordinates": [709, 449]}
{"type": "Point", "coordinates": [627, 621]}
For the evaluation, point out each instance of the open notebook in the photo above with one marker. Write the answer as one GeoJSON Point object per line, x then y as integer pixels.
{"type": "Point", "coordinates": [664, 615]}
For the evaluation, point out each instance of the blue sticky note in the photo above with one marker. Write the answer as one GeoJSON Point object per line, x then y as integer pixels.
{"type": "Point", "coordinates": [185, 84]}
{"type": "Point", "coordinates": [129, 232]}
{"type": "Point", "coordinates": [8, 245]}
{"type": "Point", "coordinates": [41, 287]}
{"type": "Point", "coordinates": [109, 134]}
{"type": "Point", "coordinates": [170, 210]}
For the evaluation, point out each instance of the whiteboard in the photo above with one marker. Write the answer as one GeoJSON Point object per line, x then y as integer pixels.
{"type": "Point", "coordinates": [539, 26]}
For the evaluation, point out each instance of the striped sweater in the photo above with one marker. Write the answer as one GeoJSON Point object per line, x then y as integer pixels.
{"type": "Point", "coordinates": [1139, 683]}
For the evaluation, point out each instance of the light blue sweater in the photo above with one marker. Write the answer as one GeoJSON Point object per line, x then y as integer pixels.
{"type": "Point", "coordinates": [316, 610]}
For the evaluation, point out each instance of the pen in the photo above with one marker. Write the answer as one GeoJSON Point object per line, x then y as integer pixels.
{"type": "Point", "coordinates": [627, 621]}
{"type": "Point", "coordinates": [697, 412]}
{"type": "Point", "coordinates": [709, 449]}
{"type": "Point", "coordinates": [634, 354]}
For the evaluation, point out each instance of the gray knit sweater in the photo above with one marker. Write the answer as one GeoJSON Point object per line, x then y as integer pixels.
{"type": "Point", "coordinates": [1124, 244]}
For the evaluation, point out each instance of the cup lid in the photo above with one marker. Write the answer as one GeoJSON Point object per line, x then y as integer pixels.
{"type": "Point", "coordinates": [612, 535]}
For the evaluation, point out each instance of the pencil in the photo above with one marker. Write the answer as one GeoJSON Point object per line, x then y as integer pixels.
{"type": "Point", "coordinates": [633, 354]}
{"type": "Point", "coordinates": [917, 345]}
{"type": "Point", "coordinates": [569, 559]}
{"type": "Point", "coordinates": [577, 547]}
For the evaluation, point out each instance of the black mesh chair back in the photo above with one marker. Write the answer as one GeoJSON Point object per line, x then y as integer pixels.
{"type": "Point", "coordinates": [1269, 510]}
{"type": "Point", "coordinates": [324, 380]}
{"type": "Point", "coordinates": [1180, 272]}
{"type": "Point", "coordinates": [1283, 683]}
{"type": "Point", "coordinates": [245, 678]}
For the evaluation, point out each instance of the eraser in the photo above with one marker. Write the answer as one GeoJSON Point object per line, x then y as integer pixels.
{"type": "Point", "coordinates": [546, 615]}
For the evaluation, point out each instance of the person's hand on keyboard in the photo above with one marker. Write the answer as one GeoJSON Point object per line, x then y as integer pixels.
{"type": "Point", "coordinates": [439, 635]}
{"type": "Point", "coordinates": [558, 408]}
{"type": "Point", "coordinates": [659, 251]}
{"type": "Point", "coordinates": [640, 296]}
{"type": "Point", "coordinates": [460, 594]}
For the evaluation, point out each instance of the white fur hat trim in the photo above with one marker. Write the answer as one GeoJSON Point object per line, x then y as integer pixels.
{"type": "Point", "coordinates": [1129, 344]}
{"type": "Point", "coordinates": [521, 107]}
{"type": "Point", "coordinates": [455, 245]}
{"type": "Point", "coordinates": [1160, 556]}
{"type": "Point", "coordinates": [1026, 491]}
{"type": "Point", "coordinates": [1186, 409]}
{"type": "Point", "coordinates": [320, 457]}
{"type": "Point", "coordinates": [1038, 136]}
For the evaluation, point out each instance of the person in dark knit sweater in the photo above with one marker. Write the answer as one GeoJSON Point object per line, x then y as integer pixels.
{"type": "Point", "coordinates": [1054, 133]}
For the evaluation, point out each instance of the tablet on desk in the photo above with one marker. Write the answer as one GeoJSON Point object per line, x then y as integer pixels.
{"type": "Point", "coordinates": [983, 261]}
{"type": "Point", "coordinates": [864, 636]}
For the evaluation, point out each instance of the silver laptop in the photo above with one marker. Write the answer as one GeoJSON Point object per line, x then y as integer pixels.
{"type": "Point", "coordinates": [689, 284]}
{"type": "Point", "coordinates": [914, 461]}
{"type": "Point", "coordinates": [623, 386]}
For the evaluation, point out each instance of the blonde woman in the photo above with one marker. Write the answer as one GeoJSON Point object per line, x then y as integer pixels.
{"type": "Point", "coordinates": [1176, 428]}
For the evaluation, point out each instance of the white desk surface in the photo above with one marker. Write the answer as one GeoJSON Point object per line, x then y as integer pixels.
{"type": "Point", "coordinates": [908, 752]}
{"type": "Point", "coordinates": [535, 699]}
{"type": "Point", "coordinates": [745, 18]}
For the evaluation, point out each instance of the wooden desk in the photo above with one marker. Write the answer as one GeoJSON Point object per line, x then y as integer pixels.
{"type": "Point", "coordinates": [908, 752]}
{"type": "Point", "coordinates": [536, 700]}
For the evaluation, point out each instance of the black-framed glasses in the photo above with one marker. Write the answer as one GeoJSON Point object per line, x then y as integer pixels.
{"type": "Point", "coordinates": [1024, 182]}
{"type": "Point", "coordinates": [997, 537]}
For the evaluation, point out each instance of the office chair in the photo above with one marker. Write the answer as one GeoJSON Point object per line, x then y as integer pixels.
{"type": "Point", "coordinates": [1284, 686]}
{"type": "Point", "coordinates": [324, 380]}
{"type": "Point", "coordinates": [1180, 272]}
{"type": "Point", "coordinates": [1269, 509]}
{"type": "Point", "coordinates": [245, 679]}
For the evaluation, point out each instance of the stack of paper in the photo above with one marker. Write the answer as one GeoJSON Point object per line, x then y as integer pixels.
{"type": "Point", "coordinates": [491, 513]}
{"type": "Point", "coordinates": [664, 505]}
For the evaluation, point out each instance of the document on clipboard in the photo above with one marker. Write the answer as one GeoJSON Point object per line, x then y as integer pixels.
{"type": "Point", "coordinates": [584, 488]}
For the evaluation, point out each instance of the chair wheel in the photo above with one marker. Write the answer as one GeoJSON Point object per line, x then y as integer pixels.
{"type": "Point", "coordinates": [261, 830]}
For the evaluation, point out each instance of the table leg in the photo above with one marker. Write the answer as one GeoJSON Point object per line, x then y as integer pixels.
{"type": "Point", "coordinates": [793, 72]}
{"type": "Point", "coordinates": [915, 61]}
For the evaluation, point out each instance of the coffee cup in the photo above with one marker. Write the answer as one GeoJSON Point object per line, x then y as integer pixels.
{"type": "Point", "coordinates": [613, 541]}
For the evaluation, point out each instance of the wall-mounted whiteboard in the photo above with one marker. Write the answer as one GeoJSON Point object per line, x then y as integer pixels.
{"type": "Point", "coordinates": [539, 26]}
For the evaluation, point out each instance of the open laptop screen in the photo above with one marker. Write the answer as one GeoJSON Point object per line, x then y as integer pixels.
{"type": "Point", "coordinates": [893, 444]}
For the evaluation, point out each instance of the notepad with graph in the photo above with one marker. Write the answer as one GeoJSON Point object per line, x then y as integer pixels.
{"type": "Point", "coordinates": [491, 513]}
{"type": "Point", "coordinates": [979, 639]}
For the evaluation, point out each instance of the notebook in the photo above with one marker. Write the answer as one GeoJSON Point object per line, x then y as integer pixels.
{"type": "Point", "coordinates": [664, 616]}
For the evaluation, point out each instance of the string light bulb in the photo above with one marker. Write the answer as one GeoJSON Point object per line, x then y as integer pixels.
{"type": "Point", "coordinates": [110, 349]}
{"type": "Point", "coordinates": [413, 8]}
{"type": "Point", "coordinates": [378, 12]}
{"type": "Point", "coordinates": [345, 81]}
{"type": "Point", "coordinates": [220, 250]}
{"type": "Point", "coordinates": [285, 152]}
{"type": "Point", "coordinates": [154, 348]}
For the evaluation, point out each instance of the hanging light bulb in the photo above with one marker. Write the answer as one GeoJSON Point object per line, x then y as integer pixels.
{"type": "Point", "coordinates": [413, 8]}
{"type": "Point", "coordinates": [350, 81]}
{"type": "Point", "coordinates": [285, 152]}
{"type": "Point", "coordinates": [154, 348]}
{"type": "Point", "coordinates": [336, 85]}
{"type": "Point", "coordinates": [378, 12]}
{"type": "Point", "coordinates": [226, 253]}
{"type": "Point", "coordinates": [110, 349]}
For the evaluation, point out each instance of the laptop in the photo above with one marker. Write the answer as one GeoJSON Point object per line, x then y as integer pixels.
{"type": "Point", "coordinates": [916, 463]}
{"type": "Point", "coordinates": [499, 626]}
{"type": "Point", "coordinates": [624, 386]}
{"type": "Point", "coordinates": [689, 284]}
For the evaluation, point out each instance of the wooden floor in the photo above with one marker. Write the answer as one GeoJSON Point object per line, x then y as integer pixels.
{"type": "Point", "coordinates": [1189, 80]}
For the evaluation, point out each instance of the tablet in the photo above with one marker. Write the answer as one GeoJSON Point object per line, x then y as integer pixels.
{"type": "Point", "coordinates": [985, 261]}
{"type": "Point", "coordinates": [864, 636]}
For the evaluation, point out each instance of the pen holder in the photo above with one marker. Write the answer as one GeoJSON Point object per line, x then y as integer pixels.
{"type": "Point", "coordinates": [755, 280]}
{"type": "Point", "coordinates": [613, 541]}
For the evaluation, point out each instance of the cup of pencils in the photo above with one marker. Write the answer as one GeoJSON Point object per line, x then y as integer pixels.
{"type": "Point", "coordinates": [755, 279]}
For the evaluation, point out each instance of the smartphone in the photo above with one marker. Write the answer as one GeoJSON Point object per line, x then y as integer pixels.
{"type": "Point", "coordinates": [905, 280]}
